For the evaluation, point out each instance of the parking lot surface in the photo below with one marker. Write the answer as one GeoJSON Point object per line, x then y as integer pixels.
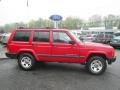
{"type": "Point", "coordinates": [2, 51]}
{"type": "Point", "coordinates": [58, 76]}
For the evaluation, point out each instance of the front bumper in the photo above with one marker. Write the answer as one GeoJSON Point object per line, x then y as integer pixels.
{"type": "Point", "coordinates": [11, 55]}
{"type": "Point", "coordinates": [110, 61]}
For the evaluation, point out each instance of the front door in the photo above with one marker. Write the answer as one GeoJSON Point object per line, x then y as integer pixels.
{"type": "Point", "coordinates": [62, 50]}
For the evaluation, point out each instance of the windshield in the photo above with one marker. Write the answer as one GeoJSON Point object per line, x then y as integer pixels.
{"type": "Point", "coordinates": [75, 36]}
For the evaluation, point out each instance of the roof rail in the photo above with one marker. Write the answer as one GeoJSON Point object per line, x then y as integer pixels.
{"type": "Point", "coordinates": [20, 27]}
{"type": "Point", "coordinates": [36, 28]}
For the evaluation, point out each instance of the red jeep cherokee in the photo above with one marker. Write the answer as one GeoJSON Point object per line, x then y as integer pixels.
{"type": "Point", "coordinates": [57, 45]}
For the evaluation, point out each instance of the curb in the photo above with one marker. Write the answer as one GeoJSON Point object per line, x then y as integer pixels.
{"type": "Point", "coordinates": [2, 52]}
{"type": "Point", "coordinates": [3, 58]}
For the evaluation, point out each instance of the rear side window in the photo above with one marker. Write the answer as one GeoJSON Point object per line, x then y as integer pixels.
{"type": "Point", "coordinates": [41, 36]}
{"type": "Point", "coordinates": [21, 36]}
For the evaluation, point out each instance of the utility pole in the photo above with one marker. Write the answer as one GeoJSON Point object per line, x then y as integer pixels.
{"type": "Point", "coordinates": [28, 12]}
{"type": "Point", "coordinates": [27, 3]}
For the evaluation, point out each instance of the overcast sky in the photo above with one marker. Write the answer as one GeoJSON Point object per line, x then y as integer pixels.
{"type": "Point", "coordinates": [17, 10]}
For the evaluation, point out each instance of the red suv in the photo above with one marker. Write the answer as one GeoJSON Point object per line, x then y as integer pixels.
{"type": "Point", "coordinates": [57, 45]}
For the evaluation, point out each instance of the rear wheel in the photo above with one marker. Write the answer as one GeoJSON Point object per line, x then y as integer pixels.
{"type": "Point", "coordinates": [96, 65]}
{"type": "Point", "coordinates": [26, 61]}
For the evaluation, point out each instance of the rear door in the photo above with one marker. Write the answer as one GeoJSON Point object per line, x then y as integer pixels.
{"type": "Point", "coordinates": [41, 44]}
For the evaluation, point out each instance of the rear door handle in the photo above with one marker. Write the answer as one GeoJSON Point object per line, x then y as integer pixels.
{"type": "Point", "coordinates": [54, 45]}
{"type": "Point", "coordinates": [33, 44]}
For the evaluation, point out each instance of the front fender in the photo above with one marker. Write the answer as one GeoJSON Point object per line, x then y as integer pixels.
{"type": "Point", "coordinates": [97, 53]}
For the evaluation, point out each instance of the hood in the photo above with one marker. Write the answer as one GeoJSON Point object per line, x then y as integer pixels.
{"type": "Point", "coordinates": [99, 48]}
{"type": "Point", "coordinates": [96, 45]}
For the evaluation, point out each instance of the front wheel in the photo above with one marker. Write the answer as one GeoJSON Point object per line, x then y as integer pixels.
{"type": "Point", "coordinates": [26, 61]}
{"type": "Point", "coordinates": [96, 65]}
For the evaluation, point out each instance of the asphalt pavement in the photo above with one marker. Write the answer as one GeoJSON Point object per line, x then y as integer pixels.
{"type": "Point", "coordinates": [58, 76]}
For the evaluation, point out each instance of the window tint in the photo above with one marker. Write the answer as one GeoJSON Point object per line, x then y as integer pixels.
{"type": "Point", "coordinates": [61, 37]}
{"type": "Point", "coordinates": [41, 36]}
{"type": "Point", "coordinates": [21, 36]}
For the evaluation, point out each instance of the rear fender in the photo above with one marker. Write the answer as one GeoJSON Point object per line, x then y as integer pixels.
{"type": "Point", "coordinates": [28, 51]}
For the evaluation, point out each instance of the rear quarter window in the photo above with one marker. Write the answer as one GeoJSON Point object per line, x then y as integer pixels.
{"type": "Point", "coordinates": [21, 36]}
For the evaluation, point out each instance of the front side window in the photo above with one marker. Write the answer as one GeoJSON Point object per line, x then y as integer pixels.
{"type": "Point", "coordinates": [41, 36]}
{"type": "Point", "coordinates": [21, 36]}
{"type": "Point", "coordinates": [61, 37]}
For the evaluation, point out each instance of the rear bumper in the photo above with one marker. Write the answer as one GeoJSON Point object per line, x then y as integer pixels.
{"type": "Point", "coordinates": [11, 55]}
{"type": "Point", "coordinates": [110, 61]}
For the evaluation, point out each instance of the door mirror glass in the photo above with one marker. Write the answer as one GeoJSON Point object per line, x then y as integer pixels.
{"type": "Point", "coordinates": [71, 42]}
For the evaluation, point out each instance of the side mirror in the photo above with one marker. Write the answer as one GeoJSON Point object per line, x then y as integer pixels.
{"type": "Point", "coordinates": [71, 42]}
{"type": "Point", "coordinates": [81, 38]}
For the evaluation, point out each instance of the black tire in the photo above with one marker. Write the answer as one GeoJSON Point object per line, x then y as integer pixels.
{"type": "Point", "coordinates": [96, 65]}
{"type": "Point", "coordinates": [26, 58]}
